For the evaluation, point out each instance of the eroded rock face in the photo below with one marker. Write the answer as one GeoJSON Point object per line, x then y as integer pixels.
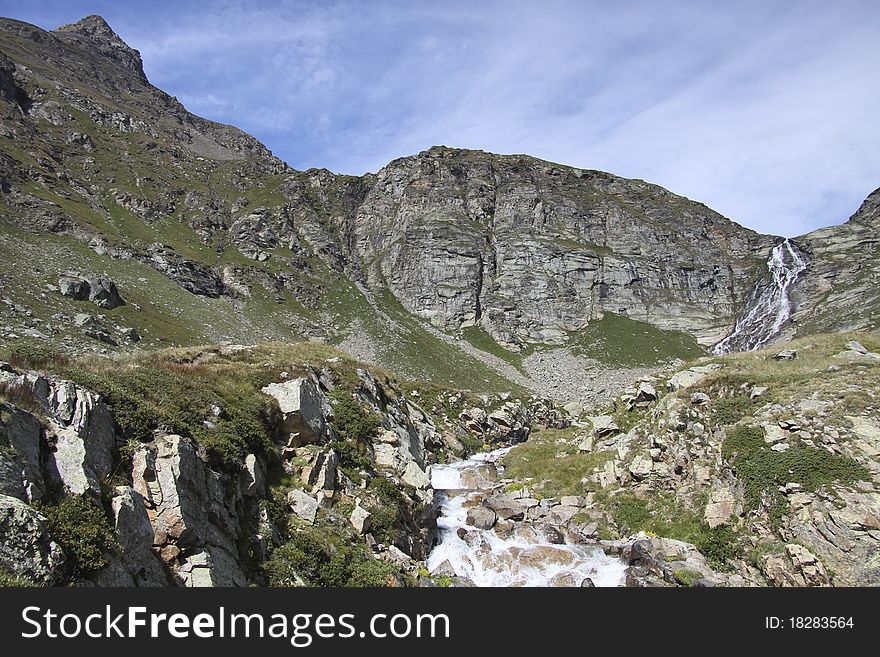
{"type": "Point", "coordinates": [531, 250]}
{"type": "Point", "coordinates": [302, 412]}
{"type": "Point", "coordinates": [27, 549]}
{"type": "Point", "coordinates": [80, 427]}
{"type": "Point", "coordinates": [193, 514]}
{"type": "Point", "coordinates": [21, 442]}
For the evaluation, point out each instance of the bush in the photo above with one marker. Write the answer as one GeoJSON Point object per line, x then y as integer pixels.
{"type": "Point", "coordinates": [322, 557]}
{"type": "Point", "coordinates": [762, 471]}
{"type": "Point", "coordinates": [730, 410]}
{"type": "Point", "coordinates": [31, 356]}
{"type": "Point", "coordinates": [83, 531]}
{"type": "Point", "coordinates": [354, 427]}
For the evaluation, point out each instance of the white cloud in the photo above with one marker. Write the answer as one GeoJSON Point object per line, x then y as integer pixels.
{"type": "Point", "coordinates": [765, 111]}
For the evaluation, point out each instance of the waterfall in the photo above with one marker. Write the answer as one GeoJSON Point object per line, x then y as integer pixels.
{"type": "Point", "coordinates": [771, 306]}
{"type": "Point", "coordinates": [524, 557]}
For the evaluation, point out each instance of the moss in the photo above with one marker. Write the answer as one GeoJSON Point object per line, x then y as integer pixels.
{"type": "Point", "coordinates": [83, 531]}
{"type": "Point", "coordinates": [478, 338]}
{"type": "Point", "coordinates": [354, 426]}
{"type": "Point", "coordinates": [686, 577]}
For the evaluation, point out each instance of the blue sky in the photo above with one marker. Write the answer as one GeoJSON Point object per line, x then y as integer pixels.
{"type": "Point", "coordinates": [765, 111]}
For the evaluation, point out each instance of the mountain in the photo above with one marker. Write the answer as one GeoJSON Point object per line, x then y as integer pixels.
{"type": "Point", "coordinates": [841, 290]}
{"type": "Point", "coordinates": [468, 268]}
{"type": "Point", "coordinates": [171, 415]}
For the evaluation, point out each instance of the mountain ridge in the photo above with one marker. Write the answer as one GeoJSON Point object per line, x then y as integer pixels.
{"type": "Point", "coordinates": [508, 253]}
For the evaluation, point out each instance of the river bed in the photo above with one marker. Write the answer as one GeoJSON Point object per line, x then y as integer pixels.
{"type": "Point", "coordinates": [523, 557]}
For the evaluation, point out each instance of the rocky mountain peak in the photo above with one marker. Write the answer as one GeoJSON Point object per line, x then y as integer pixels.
{"type": "Point", "coordinates": [98, 32]}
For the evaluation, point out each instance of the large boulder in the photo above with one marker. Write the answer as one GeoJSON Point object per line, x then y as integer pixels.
{"type": "Point", "coordinates": [135, 535]}
{"type": "Point", "coordinates": [193, 511]}
{"type": "Point", "coordinates": [100, 291]}
{"type": "Point", "coordinates": [26, 548]}
{"type": "Point", "coordinates": [21, 436]}
{"type": "Point", "coordinates": [79, 424]}
{"type": "Point", "coordinates": [302, 412]}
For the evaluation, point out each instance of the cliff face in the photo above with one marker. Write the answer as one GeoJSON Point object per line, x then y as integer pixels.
{"type": "Point", "coordinates": [842, 289]}
{"type": "Point", "coordinates": [532, 250]}
{"type": "Point", "coordinates": [208, 237]}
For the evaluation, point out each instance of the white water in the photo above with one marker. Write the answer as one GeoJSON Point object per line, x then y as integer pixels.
{"type": "Point", "coordinates": [526, 558]}
{"type": "Point", "coordinates": [772, 305]}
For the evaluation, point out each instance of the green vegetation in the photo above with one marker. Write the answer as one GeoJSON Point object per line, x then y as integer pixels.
{"type": "Point", "coordinates": [686, 577]}
{"type": "Point", "coordinates": [83, 531]}
{"type": "Point", "coordinates": [624, 342]}
{"type": "Point", "coordinates": [477, 337]}
{"type": "Point", "coordinates": [663, 515]}
{"type": "Point", "coordinates": [11, 580]}
{"type": "Point", "coordinates": [761, 470]}
{"type": "Point", "coordinates": [354, 426]}
{"type": "Point", "coordinates": [324, 556]}
{"type": "Point", "coordinates": [551, 460]}
{"type": "Point", "coordinates": [34, 356]}
{"type": "Point", "coordinates": [391, 512]}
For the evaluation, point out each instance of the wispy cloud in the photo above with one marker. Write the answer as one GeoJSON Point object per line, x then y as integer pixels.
{"type": "Point", "coordinates": [765, 111]}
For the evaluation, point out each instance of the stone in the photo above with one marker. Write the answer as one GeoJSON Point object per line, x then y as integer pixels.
{"type": "Point", "coordinates": [786, 354]}
{"type": "Point", "coordinates": [26, 548]}
{"type": "Point", "coordinates": [721, 507]}
{"type": "Point", "coordinates": [646, 392]}
{"type": "Point", "coordinates": [21, 436]}
{"type": "Point", "coordinates": [303, 505]}
{"type": "Point", "coordinates": [854, 345]}
{"type": "Point", "coordinates": [603, 425]}
{"type": "Point", "coordinates": [253, 477]}
{"type": "Point", "coordinates": [574, 408]}
{"type": "Point", "coordinates": [586, 444]}
{"type": "Point", "coordinates": [135, 536]}
{"type": "Point", "coordinates": [699, 398]}
{"type": "Point", "coordinates": [302, 412]}
{"type": "Point", "coordinates": [103, 293]}
{"type": "Point", "coordinates": [774, 434]}
{"type": "Point", "coordinates": [641, 466]}
{"type": "Point", "coordinates": [757, 391]}
{"type": "Point", "coordinates": [415, 476]}
{"type": "Point", "coordinates": [74, 287]}
{"type": "Point", "coordinates": [481, 518]}
{"type": "Point", "coordinates": [360, 519]}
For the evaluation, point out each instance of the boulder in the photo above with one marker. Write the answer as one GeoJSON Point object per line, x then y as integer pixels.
{"type": "Point", "coordinates": [74, 287]}
{"type": "Point", "coordinates": [20, 445]}
{"type": "Point", "coordinates": [415, 476]}
{"type": "Point", "coordinates": [721, 507]}
{"type": "Point", "coordinates": [303, 505]}
{"type": "Point", "coordinates": [360, 519]}
{"type": "Point", "coordinates": [854, 345]}
{"type": "Point", "coordinates": [26, 548]}
{"type": "Point", "coordinates": [786, 354]}
{"type": "Point", "coordinates": [481, 517]}
{"type": "Point", "coordinates": [302, 412]}
{"type": "Point", "coordinates": [135, 536]}
{"type": "Point", "coordinates": [603, 425]}
{"type": "Point", "coordinates": [103, 293]}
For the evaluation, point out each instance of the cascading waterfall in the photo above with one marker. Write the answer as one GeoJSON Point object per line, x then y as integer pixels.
{"type": "Point", "coordinates": [526, 557]}
{"type": "Point", "coordinates": [771, 307]}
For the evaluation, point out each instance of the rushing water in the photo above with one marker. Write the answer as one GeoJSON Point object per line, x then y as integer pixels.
{"type": "Point", "coordinates": [771, 306]}
{"type": "Point", "coordinates": [524, 558]}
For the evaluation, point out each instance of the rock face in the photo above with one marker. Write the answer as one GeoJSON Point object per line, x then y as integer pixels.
{"type": "Point", "coordinates": [27, 549]}
{"type": "Point", "coordinates": [194, 518]}
{"type": "Point", "coordinates": [302, 412]}
{"type": "Point", "coordinates": [840, 289]}
{"type": "Point", "coordinates": [530, 250]}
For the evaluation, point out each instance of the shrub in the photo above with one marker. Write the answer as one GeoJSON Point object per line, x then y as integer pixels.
{"type": "Point", "coordinates": [31, 356]}
{"type": "Point", "coordinates": [762, 471]}
{"type": "Point", "coordinates": [354, 427]}
{"type": "Point", "coordinates": [730, 410]}
{"type": "Point", "coordinates": [82, 530]}
{"type": "Point", "coordinates": [322, 557]}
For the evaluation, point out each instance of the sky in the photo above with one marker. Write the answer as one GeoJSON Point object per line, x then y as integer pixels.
{"type": "Point", "coordinates": [765, 111]}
